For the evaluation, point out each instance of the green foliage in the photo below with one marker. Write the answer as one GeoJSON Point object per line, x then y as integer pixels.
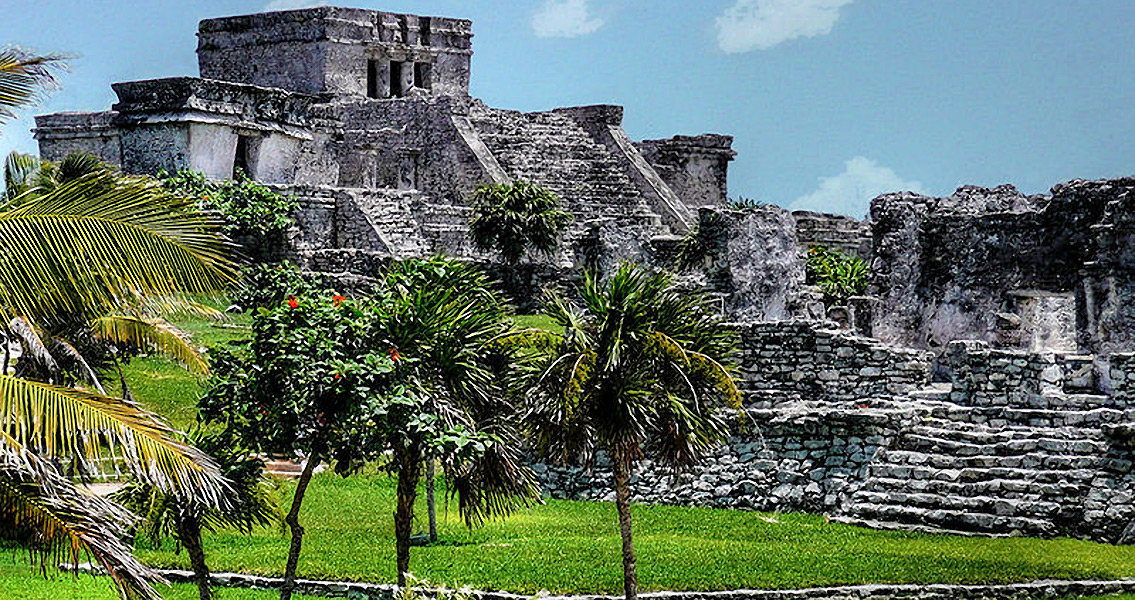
{"type": "Point", "coordinates": [312, 372]}
{"type": "Point", "coordinates": [249, 211]}
{"type": "Point", "coordinates": [839, 276]}
{"type": "Point", "coordinates": [744, 203]}
{"type": "Point", "coordinates": [637, 359]}
{"type": "Point", "coordinates": [266, 285]}
{"type": "Point", "coordinates": [513, 218]}
{"type": "Point", "coordinates": [250, 501]}
{"type": "Point", "coordinates": [444, 313]}
{"type": "Point", "coordinates": [700, 241]}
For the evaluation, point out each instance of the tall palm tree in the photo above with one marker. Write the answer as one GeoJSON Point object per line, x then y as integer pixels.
{"type": "Point", "coordinates": [90, 247]}
{"type": "Point", "coordinates": [443, 314]}
{"type": "Point", "coordinates": [639, 371]}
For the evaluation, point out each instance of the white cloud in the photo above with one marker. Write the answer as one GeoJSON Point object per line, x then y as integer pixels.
{"type": "Point", "coordinates": [762, 24]}
{"type": "Point", "coordinates": [293, 4]}
{"type": "Point", "coordinates": [564, 18]}
{"type": "Point", "coordinates": [850, 193]}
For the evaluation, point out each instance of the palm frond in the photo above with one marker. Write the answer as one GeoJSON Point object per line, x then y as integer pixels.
{"type": "Point", "coordinates": [33, 346]}
{"type": "Point", "coordinates": [18, 171]}
{"type": "Point", "coordinates": [70, 354]}
{"type": "Point", "coordinates": [56, 520]}
{"type": "Point", "coordinates": [100, 241]}
{"type": "Point", "coordinates": [64, 423]}
{"type": "Point", "coordinates": [24, 79]}
{"type": "Point", "coordinates": [150, 334]}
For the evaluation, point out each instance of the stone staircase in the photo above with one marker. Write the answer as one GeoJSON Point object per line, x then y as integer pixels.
{"type": "Point", "coordinates": [552, 150]}
{"type": "Point", "coordinates": [1020, 468]}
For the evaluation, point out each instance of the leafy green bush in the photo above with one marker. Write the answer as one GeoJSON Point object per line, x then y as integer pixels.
{"type": "Point", "coordinates": [838, 275]}
{"type": "Point", "coordinates": [513, 218]}
{"type": "Point", "coordinates": [251, 213]}
{"type": "Point", "coordinates": [266, 285]}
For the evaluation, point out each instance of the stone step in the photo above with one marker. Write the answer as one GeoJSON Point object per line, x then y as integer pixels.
{"type": "Point", "coordinates": [980, 433]}
{"type": "Point", "coordinates": [1001, 416]}
{"type": "Point", "coordinates": [1019, 488]}
{"type": "Point", "coordinates": [997, 506]}
{"type": "Point", "coordinates": [949, 519]}
{"type": "Point", "coordinates": [936, 441]}
{"type": "Point", "coordinates": [916, 528]}
{"type": "Point", "coordinates": [1020, 461]}
{"type": "Point", "coordinates": [972, 474]}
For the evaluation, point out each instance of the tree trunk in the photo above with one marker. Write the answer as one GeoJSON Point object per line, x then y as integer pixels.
{"type": "Point", "coordinates": [409, 472]}
{"type": "Point", "coordinates": [293, 521]}
{"type": "Point", "coordinates": [431, 500]}
{"type": "Point", "coordinates": [189, 533]}
{"type": "Point", "coordinates": [621, 473]}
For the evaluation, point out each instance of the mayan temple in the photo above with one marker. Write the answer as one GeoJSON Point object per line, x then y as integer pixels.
{"type": "Point", "coordinates": [984, 383]}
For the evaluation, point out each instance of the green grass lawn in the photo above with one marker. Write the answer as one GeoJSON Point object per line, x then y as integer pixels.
{"type": "Point", "coordinates": [574, 547]}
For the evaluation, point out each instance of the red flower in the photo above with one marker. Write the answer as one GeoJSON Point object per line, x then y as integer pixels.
{"type": "Point", "coordinates": [336, 299]}
{"type": "Point", "coordinates": [336, 376]}
{"type": "Point", "coordinates": [292, 302]}
{"type": "Point", "coordinates": [394, 356]}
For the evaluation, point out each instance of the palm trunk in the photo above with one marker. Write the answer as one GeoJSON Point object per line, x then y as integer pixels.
{"type": "Point", "coordinates": [431, 500]}
{"type": "Point", "coordinates": [621, 473]}
{"type": "Point", "coordinates": [409, 472]}
{"type": "Point", "coordinates": [293, 521]}
{"type": "Point", "coordinates": [189, 532]}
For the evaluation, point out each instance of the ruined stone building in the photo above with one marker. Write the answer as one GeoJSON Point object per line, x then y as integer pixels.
{"type": "Point", "coordinates": [366, 117]}
{"type": "Point", "coordinates": [983, 384]}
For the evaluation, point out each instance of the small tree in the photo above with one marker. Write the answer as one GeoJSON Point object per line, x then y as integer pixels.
{"type": "Point", "coordinates": [309, 381]}
{"type": "Point", "coordinates": [635, 373]}
{"type": "Point", "coordinates": [444, 314]}
{"type": "Point", "coordinates": [249, 502]}
{"type": "Point", "coordinates": [514, 218]}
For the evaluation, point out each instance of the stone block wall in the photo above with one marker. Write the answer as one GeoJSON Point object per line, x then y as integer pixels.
{"type": "Point", "coordinates": [817, 360]}
{"type": "Point", "coordinates": [837, 232]}
{"type": "Point", "coordinates": [786, 460]}
{"type": "Point", "coordinates": [983, 376]}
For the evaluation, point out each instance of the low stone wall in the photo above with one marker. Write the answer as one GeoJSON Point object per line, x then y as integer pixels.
{"type": "Point", "coordinates": [819, 361]}
{"type": "Point", "coordinates": [1051, 589]}
{"type": "Point", "coordinates": [799, 458]}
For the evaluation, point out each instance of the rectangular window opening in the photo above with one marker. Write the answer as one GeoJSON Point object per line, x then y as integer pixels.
{"type": "Point", "coordinates": [422, 75]}
{"type": "Point", "coordinates": [372, 79]}
{"type": "Point", "coordinates": [395, 79]}
{"type": "Point", "coordinates": [242, 158]}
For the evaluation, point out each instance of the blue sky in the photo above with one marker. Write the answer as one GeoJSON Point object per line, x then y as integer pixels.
{"type": "Point", "coordinates": [830, 101]}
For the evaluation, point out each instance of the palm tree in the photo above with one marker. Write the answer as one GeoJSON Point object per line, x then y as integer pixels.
{"type": "Point", "coordinates": [511, 218]}
{"type": "Point", "coordinates": [443, 313]}
{"type": "Point", "coordinates": [251, 503]}
{"type": "Point", "coordinates": [90, 247]}
{"type": "Point", "coordinates": [638, 371]}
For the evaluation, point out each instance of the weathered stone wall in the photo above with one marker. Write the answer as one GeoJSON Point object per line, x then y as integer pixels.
{"type": "Point", "coordinates": [62, 134]}
{"type": "Point", "coordinates": [787, 459]}
{"type": "Point", "coordinates": [848, 235]}
{"type": "Point", "coordinates": [948, 268]}
{"type": "Point", "coordinates": [752, 261]}
{"type": "Point", "coordinates": [695, 167]}
{"type": "Point", "coordinates": [341, 51]}
{"type": "Point", "coordinates": [817, 360]}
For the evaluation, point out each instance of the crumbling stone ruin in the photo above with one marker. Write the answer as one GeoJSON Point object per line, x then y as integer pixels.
{"type": "Point", "coordinates": [981, 385]}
